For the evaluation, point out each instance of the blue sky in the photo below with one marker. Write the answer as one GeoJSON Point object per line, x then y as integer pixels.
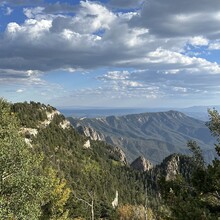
{"type": "Point", "coordinates": [112, 53]}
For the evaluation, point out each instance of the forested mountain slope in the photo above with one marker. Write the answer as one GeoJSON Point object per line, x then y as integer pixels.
{"type": "Point", "coordinates": [153, 135]}
{"type": "Point", "coordinates": [92, 170]}
{"type": "Point", "coordinates": [48, 171]}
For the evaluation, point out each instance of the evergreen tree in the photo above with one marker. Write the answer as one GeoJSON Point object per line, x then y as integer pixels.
{"type": "Point", "coordinates": [22, 185]}
{"type": "Point", "coordinates": [199, 197]}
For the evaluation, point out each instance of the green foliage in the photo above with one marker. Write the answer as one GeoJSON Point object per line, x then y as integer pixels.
{"type": "Point", "coordinates": [22, 186]}
{"type": "Point", "coordinates": [31, 114]}
{"type": "Point", "coordinates": [29, 188]}
{"type": "Point", "coordinates": [196, 198]}
{"type": "Point", "coordinates": [54, 207]}
{"type": "Point", "coordinates": [77, 170]}
{"type": "Point", "coordinates": [153, 135]}
{"type": "Point", "coordinates": [214, 126]}
{"type": "Point", "coordinates": [197, 154]}
{"type": "Point", "coordinates": [41, 180]}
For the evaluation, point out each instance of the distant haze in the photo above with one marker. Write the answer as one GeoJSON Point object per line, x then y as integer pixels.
{"type": "Point", "coordinates": [198, 112]}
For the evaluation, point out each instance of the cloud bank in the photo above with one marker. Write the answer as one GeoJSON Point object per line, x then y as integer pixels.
{"type": "Point", "coordinates": [155, 42]}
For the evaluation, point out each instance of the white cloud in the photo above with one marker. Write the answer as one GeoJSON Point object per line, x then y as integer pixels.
{"type": "Point", "coordinates": [33, 12]}
{"type": "Point", "coordinates": [214, 46]}
{"type": "Point", "coordinates": [8, 11]}
{"type": "Point", "coordinates": [117, 75]}
{"type": "Point", "coordinates": [95, 37]}
{"type": "Point", "coordinates": [19, 90]}
{"type": "Point", "coordinates": [179, 89]}
{"type": "Point", "coordinates": [199, 41]}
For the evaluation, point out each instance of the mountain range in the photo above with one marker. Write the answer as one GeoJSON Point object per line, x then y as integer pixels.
{"type": "Point", "coordinates": [56, 173]}
{"type": "Point", "coordinates": [152, 135]}
{"type": "Point", "coordinates": [198, 112]}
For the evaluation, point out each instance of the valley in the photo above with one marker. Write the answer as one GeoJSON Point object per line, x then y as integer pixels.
{"type": "Point", "coordinates": [53, 170]}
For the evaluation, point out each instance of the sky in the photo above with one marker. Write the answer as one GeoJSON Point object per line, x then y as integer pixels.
{"type": "Point", "coordinates": [110, 53]}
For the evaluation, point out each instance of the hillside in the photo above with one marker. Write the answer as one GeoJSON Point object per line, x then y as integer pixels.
{"type": "Point", "coordinates": [49, 171]}
{"type": "Point", "coordinates": [93, 170]}
{"type": "Point", "coordinates": [153, 135]}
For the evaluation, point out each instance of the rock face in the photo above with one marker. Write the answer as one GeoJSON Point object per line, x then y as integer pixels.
{"type": "Point", "coordinates": [87, 144]}
{"type": "Point", "coordinates": [174, 165]}
{"type": "Point", "coordinates": [94, 135]}
{"type": "Point", "coordinates": [120, 153]}
{"type": "Point", "coordinates": [153, 135]}
{"type": "Point", "coordinates": [89, 132]}
{"type": "Point", "coordinates": [142, 164]}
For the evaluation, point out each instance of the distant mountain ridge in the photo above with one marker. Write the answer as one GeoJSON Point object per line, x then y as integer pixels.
{"type": "Point", "coordinates": [198, 112]}
{"type": "Point", "coordinates": [153, 135]}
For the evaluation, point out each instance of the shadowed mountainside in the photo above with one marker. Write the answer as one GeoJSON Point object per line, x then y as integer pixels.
{"type": "Point", "coordinates": [153, 135]}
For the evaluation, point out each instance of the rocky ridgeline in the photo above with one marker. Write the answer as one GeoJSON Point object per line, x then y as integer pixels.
{"type": "Point", "coordinates": [121, 155]}
{"type": "Point", "coordinates": [175, 165]}
{"type": "Point", "coordinates": [89, 132]}
{"type": "Point", "coordinates": [153, 135]}
{"type": "Point", "coordinates": [170, 168]}
{"type": "Point", "coordinates": [142, 164]}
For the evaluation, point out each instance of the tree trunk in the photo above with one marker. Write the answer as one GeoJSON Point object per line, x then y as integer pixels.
{"type": "Point", "coordinates": [92, 210]}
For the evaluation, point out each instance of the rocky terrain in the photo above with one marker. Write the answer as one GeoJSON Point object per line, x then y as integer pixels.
{"type": "Point", "coordinates": [153, 135]}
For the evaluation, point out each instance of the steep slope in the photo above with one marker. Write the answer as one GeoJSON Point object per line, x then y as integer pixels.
{"type": "Point", "coordinates": [92, 169]}
{"type": "Point", "coordinates": [153, 135]}
{"type": "Point", "coordinates": [173, 165]}
{"type": "Point", "coordinates": [91, 174]}
{"type": "Point", "coordinates": [141, 164]}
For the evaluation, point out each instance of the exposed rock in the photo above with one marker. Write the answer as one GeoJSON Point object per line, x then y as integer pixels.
{"type": "Point", "coordinates": [28, 142]}
{"type": "Point", "coordinates": [65, 124]}
{"type": "Point", "coordinates": [29, 131]}
{"type": "Point", "coordinates": [154, 135]}
{"type": "Point", "coordinates": [87, 144]}
{"type": "Point", "coordinates": [120, 153]}
{"type": "Point", "coordinates": [142, 164]}
{"type": "Point", "coordinates": [50, 116]}
{"type": "Point", "coordinates": [115, 201]}
{"type": "Point", "coordinates": [89, 132]}
{"type": "Point", "coordinates": [174, 165]}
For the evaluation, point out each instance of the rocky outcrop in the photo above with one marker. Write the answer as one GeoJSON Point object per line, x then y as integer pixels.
{"type": "Point", "coordinates": [121, 155]}
{"type": "Point", "coordinates": [50, 116]}
{"type": "Point", "coordinates": [65, 124]}
{"type": "Point", "coordinates": [89, 132]}
{"type": "Point", "coordinates": [142, 164]}
{"type": "Point", "coordinates": [174, 165]}
{"type": "Point", "coordinates": [87, 144]}
{"type": "Point", "coordinates": [153, 135]}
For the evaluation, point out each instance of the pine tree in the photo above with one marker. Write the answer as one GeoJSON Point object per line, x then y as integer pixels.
{"type": "Point", "coordinates": [22, 185]}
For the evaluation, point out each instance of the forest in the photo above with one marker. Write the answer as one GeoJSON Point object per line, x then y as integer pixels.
{"type": "Point", "coordinates": [46, 172]}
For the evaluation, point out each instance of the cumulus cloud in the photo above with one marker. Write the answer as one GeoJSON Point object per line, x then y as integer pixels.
{"type": "Point", "coordinates": [199, 41]}
{"type": "Point", "coordinates": [29, 77]}
{"type": "Point", "coordinates": [160, 84]}
{"type": "Point", "coordinates": [214, 46]}
{"type": "Point", "coordinates": [93, 37]}
{"type": "Point", "coordinates": [180, 19]}
{"type": "Point", "coordinates": [152, 38]}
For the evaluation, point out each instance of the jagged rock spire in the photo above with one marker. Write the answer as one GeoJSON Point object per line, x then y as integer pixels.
{"type": "Point", "coordinates": [141, 164]}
